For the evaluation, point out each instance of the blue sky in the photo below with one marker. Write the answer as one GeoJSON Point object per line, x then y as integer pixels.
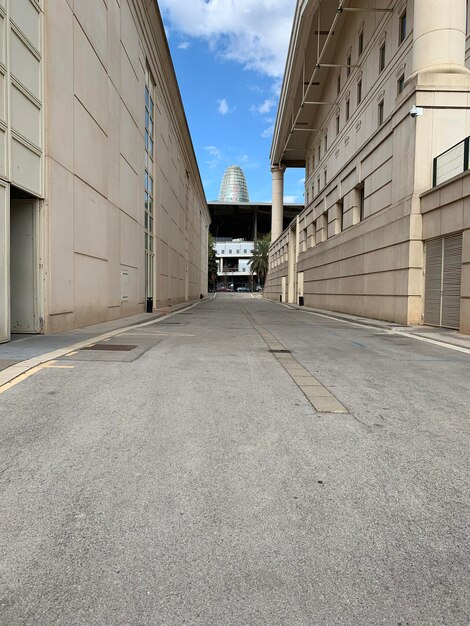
{"type": "Point", "coordinates": [229, 58]}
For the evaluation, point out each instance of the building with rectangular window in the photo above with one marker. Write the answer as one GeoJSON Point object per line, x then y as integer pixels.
{"type": "Point", "coordinates": [102, 209]}
{"type": "Point", "coordinates": [385, 232]}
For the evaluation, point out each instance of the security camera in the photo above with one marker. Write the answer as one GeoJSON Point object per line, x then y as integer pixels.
{"type": "Point", "coordinates": [416, 111]}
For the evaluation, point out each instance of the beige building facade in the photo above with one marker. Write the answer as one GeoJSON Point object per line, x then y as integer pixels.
{"type": "Point", "coordinates": [374, 92]}
{"type": "Point", "coordinates": [101, 201]}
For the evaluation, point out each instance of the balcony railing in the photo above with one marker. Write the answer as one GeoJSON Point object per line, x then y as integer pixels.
{"type": "Point", "coordinates": [452, 162]}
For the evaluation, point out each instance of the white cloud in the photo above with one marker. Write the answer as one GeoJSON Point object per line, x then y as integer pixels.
{"type": "Point", "coordinates": [254, 33]}
{"type": "Point", "coordinates": [290, 199]}
{"type": "Point", "coordinates": [264, 108]}
{"type": "Point", "coordinates": [301, 181]}
{"type": "Point", "coordinates": [223, 107]}
{"type": "Point", "coordinates": [268, 132]}
{"type": "Point", "coordinates": [184, 45]}
{"type": "Point", "coordinates": [216, 154]}
{"type": "Point", "coordinates": [246, 162]}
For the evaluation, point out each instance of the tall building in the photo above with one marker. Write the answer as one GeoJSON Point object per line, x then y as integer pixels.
{"type": "Point", "coordinates": [236, 223]}
{"type": "Point", "coordinates": [102, 208]}
{"type": "Point", "coordinates": [374, 107]}
{"type": "Point", "coordinates": [233, 187]}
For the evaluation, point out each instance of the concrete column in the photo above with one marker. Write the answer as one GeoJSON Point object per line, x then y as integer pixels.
{"type": "Point", "coordinates": [439, 36]}
{"type": "Point", "coordinates": [277, 211]}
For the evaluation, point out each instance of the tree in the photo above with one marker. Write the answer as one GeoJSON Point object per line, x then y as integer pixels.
{"type": "Point", "coordinates": [212, 264]}
{"type": "Point", "coordinates": [259, 262]}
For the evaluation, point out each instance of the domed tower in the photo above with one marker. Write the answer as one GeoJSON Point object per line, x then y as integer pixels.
{"type": "Point", "coordinates": [233, 187]}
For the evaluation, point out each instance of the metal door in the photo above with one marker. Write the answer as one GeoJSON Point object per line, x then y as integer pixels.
{"type": "Point", "coordinates": [451, 282]}
{"type": "Point", "coordinates": [442, 281]}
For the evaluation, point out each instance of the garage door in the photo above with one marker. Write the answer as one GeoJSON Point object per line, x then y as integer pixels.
{"type": "Point", "coordinates": [442, 281]}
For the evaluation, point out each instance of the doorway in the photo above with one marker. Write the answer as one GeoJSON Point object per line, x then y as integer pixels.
{"type": "Point", "coordinates": [23, 251]}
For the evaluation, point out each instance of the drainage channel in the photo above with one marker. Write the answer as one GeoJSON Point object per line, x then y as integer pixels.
{"type": "Point", "coordinates": [319, 397]}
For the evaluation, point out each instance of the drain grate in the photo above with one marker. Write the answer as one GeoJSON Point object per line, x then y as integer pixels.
{"type": "Point", "coordinates": [112, 347]}
{"type": "Point", "coordinates": [280, 351]}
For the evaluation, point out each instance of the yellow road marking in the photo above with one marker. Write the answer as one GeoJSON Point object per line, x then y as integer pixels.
{"type": "Point", "coordinates": [34, 370]}
{"type": "Point", "coordinates": [21, 377]}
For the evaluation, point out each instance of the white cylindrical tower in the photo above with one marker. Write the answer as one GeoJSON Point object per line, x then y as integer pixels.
{"type": "Point", "coordinates": [439, 32]}
{"type": "Point", "coordinates": [277, 212]}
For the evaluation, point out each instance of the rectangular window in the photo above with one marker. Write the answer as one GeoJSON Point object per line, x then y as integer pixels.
{"type": "Point", "coordinates": [360, 43]}
{"type": "Point", "coordinates": [382, 58]}
{"type": "Point", "coordinates": [339, 216]}
{"type": "Point", "coordinates": [358, 204]}
{"type": "Point", "coordinates": [318, 184]}
{"type": "Point", "coordinates": [359, 92]}
{"type": "Point", "coordinates": [148, 182]}
{"type": "Point", "coordinates": [347, 109]}
{"type": "Point", "coordinates": [402, 28]}
{"type": "Point", "coordinates": [338, 84]}
{"type": "Point", "coordinates": [337, 125]}
{"type": "Point", "coordinates": [348, 63]}
{"type": "Point", "coordinates": [325, 178]}
{"type": "Point", "coordinates": [361, 202]}
{"type": "Point", "coordinates": [381, 113]}
{"type": "Point", "coordinates": [319, 153]}
{"type": "Point", "coordinates": [401, 84]}
{"type": "Point", "coordinates": [326, 142]}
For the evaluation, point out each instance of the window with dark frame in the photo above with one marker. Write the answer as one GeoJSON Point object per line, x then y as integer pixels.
{"type": "Point", "coordinates": [402, 28]}
{"type": "Point", "coordinates": [359, 91]}
{"type": "Point", "coordinates": [338, 84]}
{"type": "Point", "coordinates": [348, 63]}
{"type": "Point", "coordinates": [337, 124]}
{"type": "Point", "coordinates": [382, 58]}
{"type": "Point", "coordinates": [149, 245]}
{"type": "Point", "coordinates": [360, 43]}
{"type": "Point", "coordinates": [401, 84]}
{"type": "Point", "coordinates": [381, 112]}
{"type": "Point", "coordinates": [347, 109]}
{"type": "Point", "coordinates": [326, 141]}
{"type": "Point", "coordinates": [361, 202]}
{"type": "Point", "coordinates": [340, 215]}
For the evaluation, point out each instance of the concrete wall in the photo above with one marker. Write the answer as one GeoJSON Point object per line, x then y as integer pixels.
{"type": "Point", "coordinates": [371, 264]}
{"type": "Point", "coordinates": [21, 94]}
{"type": "Point", "coordinates": [96, 55]}
{"type": "Point", "coordinates": [446, 210]}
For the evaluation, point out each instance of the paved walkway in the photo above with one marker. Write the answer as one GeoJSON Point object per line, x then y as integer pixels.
{"type": "Point", "coordinates": [186, 472]}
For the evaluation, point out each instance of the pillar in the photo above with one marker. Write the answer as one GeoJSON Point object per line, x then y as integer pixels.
{"type": "Point", "coordinates": [277, 211]}
{"type": "Point", "coordinates": [439, 36]}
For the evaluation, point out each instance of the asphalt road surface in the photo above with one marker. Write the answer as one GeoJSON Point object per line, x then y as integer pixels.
{"type": "Point", "coordinates": [189, 480]}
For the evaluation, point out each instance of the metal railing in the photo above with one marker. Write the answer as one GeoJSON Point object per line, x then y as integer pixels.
{"type": "Point", "coordinates": [452, 162]}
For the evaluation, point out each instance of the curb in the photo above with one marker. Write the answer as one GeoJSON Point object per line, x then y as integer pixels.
{"type": "Point", "coordinates": [23, 367]}
{"type": "Point", "coordinates": [387, 327]}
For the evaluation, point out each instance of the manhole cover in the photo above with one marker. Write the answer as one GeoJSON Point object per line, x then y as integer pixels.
{"type": "Point", "coordinates": [280, 351]}
{"type": "Point", "coordinates": [113, 347]}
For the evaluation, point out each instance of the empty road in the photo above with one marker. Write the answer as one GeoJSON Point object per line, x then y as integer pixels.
{"type": "Point", "coordinates": [239, 463]}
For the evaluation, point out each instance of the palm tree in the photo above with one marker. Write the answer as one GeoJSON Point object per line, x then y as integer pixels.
{"type": "Point", "coordinates": [259, 262]}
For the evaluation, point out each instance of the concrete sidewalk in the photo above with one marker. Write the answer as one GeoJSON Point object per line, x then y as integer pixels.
{"type": "Point", "coordinates": [25, 352]}
{"type": "Point", "coordinates": [446, 336]}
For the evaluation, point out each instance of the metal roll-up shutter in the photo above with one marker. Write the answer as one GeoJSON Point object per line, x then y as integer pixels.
{"type": "Point", "coordinates": [433, 283]}
{"type": "Point", "coordinates": [452, 271]}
